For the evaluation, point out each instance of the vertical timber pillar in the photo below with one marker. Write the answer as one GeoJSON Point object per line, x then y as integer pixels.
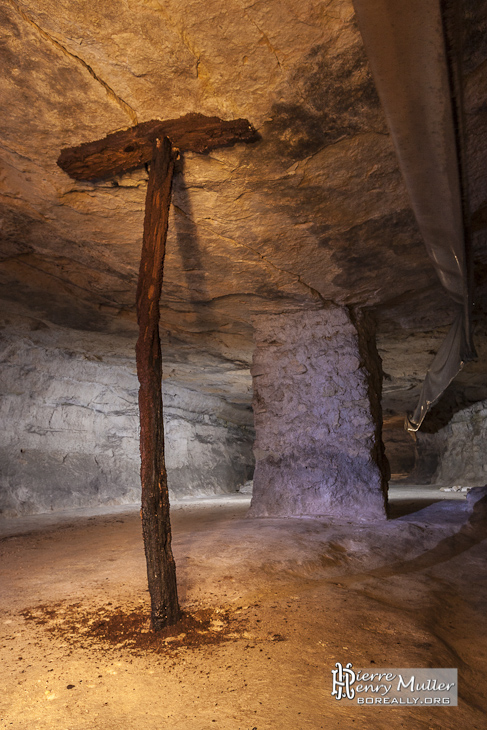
{"type": "Point", "coordinates": [317, 385]}
{"type": "Point", "coordinates": [156, 526]}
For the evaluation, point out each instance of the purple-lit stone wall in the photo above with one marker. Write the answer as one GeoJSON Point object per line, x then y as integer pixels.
{"type": "Point", "coordinates": [317, 415]}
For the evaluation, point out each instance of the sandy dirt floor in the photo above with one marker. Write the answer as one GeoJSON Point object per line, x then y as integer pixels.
{"type": "Point", "coordinates": [271, 605]}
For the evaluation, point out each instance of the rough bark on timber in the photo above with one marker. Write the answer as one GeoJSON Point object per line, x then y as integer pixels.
{"type": "Point", "coordinates": [156, 527]}
{"type": "Point", "coordinates": [131, 148]}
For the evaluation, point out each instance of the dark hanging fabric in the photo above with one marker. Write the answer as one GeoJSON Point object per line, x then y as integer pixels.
{"type": "Point", "coordinates": [405, 45]}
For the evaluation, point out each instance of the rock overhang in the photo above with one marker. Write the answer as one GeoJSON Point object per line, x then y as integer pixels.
{"type": "Point", "coordinates": [316, 210]}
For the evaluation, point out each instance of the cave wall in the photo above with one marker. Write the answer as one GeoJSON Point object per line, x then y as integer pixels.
{"type": "Point", "coordinates": [315, 210]}
{"type": "Point", "coordinates": [69, 433]}
{"type": "Point", "coordinates": [317, 415]}
{"type": "Point", "coordinates": [455, 454]}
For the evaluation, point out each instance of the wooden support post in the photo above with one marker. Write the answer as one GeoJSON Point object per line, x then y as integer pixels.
{"type": "Point", "coordinates": [156, 526]}
{"type": "Point", "coordinates": [113, 155]}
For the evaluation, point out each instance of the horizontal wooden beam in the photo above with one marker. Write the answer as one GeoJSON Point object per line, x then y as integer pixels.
{"type": "Point", "coordinates": [123, 151]}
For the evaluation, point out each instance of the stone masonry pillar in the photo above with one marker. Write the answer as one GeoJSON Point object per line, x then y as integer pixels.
{"type": "Point", "coordinates": [317, 384]}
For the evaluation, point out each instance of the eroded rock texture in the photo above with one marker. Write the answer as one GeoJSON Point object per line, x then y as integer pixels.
{"type": "Point", "coordinates": [69, 435]}
{"type": "Point", "coordinates": [317, 417]}
{"type": "Point", "coordinates": [314, 212]}
{"type": "Point", "coordinates": [456, 454]}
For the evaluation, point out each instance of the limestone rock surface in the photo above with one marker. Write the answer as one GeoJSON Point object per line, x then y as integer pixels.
{"type": "Point", "coordinates": [315, 210]}
{"type": "Point", "coordinates": [317, 418]}
{"type": "Point", "coordinates": [455, 454]}
{"type": "Point", "coordinates": [313, 214]}
{"type": "Point", "coordinates": [69, 433]}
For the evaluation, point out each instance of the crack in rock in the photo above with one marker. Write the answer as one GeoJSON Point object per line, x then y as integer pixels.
{"type": "Point", "coordinates": [109, 91]}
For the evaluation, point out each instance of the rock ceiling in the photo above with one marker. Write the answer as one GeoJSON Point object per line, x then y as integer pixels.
{"type": "Point", "coordinates": [314, 211]}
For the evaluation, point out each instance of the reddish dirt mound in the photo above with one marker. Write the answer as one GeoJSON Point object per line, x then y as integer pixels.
{"type": "Point", "coordinates": [129, 627]}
